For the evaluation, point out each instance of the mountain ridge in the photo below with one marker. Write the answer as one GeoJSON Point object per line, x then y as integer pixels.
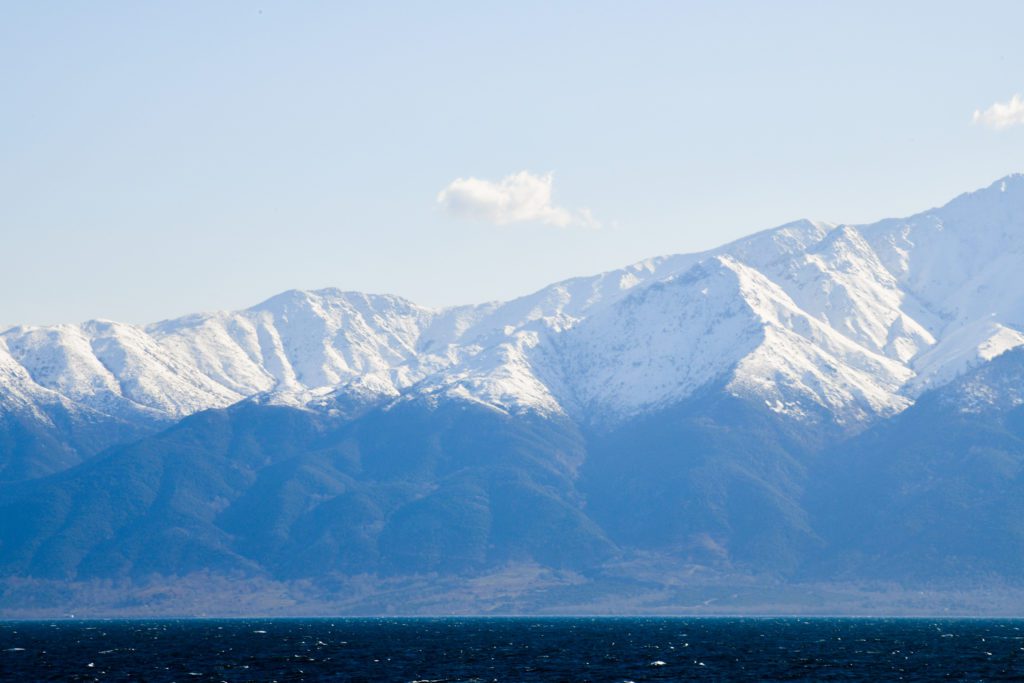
{"type": "Point", "coordinates": [815, 410]}
{"type": "Point", "coordinates": [853, 318]}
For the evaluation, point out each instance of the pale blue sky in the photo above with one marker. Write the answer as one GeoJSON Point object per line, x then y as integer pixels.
{"type": "Point", "coordinates": [163, 158]}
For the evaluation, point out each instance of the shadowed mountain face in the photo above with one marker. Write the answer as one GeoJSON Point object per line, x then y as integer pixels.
{"type": "Point", "coordinates": [813, 403]}
{"type": "Point", "coordinates": [258, 488]}
{"type": "Point", "coordinates": [34, 444]}
{"type": "Point", "coordinates": [715, 480]}
{"type": "Point", "coordinates": [937, 491]}
{"type": "Point", "coordinates": [459, 488]}
{"type": "Point", "coordinates": [452, 487]}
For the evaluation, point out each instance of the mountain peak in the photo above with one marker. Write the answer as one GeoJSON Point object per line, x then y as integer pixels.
{"type": "Point", "coordinates": [1007, 191]}
{"type": "Point", "coordinates": [1013, 182]}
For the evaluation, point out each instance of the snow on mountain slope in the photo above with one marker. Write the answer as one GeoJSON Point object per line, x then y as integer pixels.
{"type": "Point", "coordinates": [841, 282]}
{"type": "Point", "coordinates": [997, 386]}
{"type": "Point", "coordinates": [959, 267]}
{"type": "Point", "coordinates": [59, 358]}
{"type": "Point", "coordinates": [802, 359]}
{"type": "Point", "coordinates": [42, 431]}
{"type": "Point", "coordinates": [723, 320]}
{"type": "Point", "coordinates": [299, 340]}
{"type": "Point", "coordinates": [506, 377]}
{"type": "Point", "coordinates": [963, 347]}
{"type": "Point", "coordinates": [660, 343]}
{"type": "Point", "coordinates": [935, 254]}
{"type": "Point", "coordinates": [855, 321]}
{"type": "Point", "coordinates": [555, 308]}
{"type": "Point", "coordinates": [20, 393]}
{"type": "Point", "coordinates": [763, 249]}
{"type": "Point", "coordinates": [114, 368]}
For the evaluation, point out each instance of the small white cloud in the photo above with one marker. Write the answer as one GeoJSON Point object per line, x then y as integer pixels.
{"type": "Point", "coordinates": [1001, 115]}
{"type": "Point", "coordinates": [515, 198]}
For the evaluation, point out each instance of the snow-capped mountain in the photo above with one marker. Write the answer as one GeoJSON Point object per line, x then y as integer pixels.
{"type": "Point", "coordinates": [851, 322]}
{"type": "Point", "coordinates": [814, 402]}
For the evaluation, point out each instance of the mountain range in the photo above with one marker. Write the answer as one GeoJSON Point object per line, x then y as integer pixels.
{"type": "Point", "coordinates": [811, 407]}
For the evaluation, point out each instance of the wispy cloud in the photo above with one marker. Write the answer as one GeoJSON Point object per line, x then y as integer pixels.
{"type": "Point", "coordinates": [516, 198]}
{"type": "Point", "coordinates": [1001, 114]}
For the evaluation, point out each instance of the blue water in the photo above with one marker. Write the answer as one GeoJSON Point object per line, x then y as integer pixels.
{"type": "Point", "coordinates": [526, 649]}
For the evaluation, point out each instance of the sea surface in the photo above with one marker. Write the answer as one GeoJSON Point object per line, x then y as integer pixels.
{"type": "Point", "coordinates": [513, 649]}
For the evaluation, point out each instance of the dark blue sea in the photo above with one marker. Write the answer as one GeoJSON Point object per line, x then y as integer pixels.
{"type": "Point", "coordinates": [513, 649]}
